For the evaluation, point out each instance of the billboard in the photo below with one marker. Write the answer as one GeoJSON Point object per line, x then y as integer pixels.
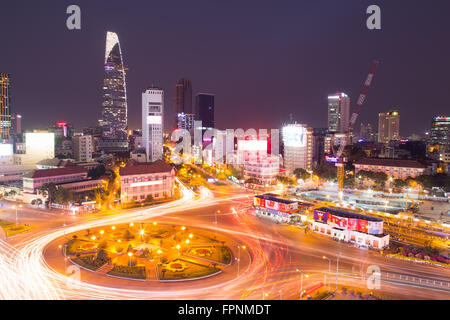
{"type": "Point", "coordinates": [6, 149]}
{"type": "Point", "coordinates": [294, 136]}
{"type": "Point", "coordinates": [252, 145]}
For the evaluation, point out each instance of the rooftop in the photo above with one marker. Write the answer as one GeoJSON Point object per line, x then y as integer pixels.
{"type": "Point", "coordinates": [145, 167]}
{"type": "Point", "coordinates": [346, 214]}
{"type": "Point", "coordinates": [385, 162]}
{"type": "Point", "coordinates": [55, 162]}
{"type": "Point", "coordinates": [274, 197]}
{"type": "Point", "coordinates": [56, 172]}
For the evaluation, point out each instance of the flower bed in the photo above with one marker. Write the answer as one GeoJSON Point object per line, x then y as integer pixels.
{"type": "Point", "coordinates": [190, 271]}
{"type": "Point", "coordinates": [135, 272]}
{"type": "Point", "coordinates": [89, 262]}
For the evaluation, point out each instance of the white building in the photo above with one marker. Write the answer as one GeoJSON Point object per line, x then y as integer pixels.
{"type": "Point", "coordinates": [262, 169]}
{"type": "Point", "coordinates": [143, 180]}
{"type": "Point", "coordinates": [338, 113]}
{"type": "Point", "coordinates": [298, 147]}
{"type": "Point", "coordinates": [38, 146]}
{"type": "Point", "coordinates": [152, 123]}
{"type": "Point", "coordinates": [82, 148]}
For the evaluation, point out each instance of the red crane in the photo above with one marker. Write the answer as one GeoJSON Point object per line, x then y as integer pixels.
{"type": "Point", "coordinates": [362, 97]}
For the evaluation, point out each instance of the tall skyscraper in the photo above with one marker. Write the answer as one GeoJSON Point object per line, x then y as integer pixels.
{"type": "Point", "coordinates": [114, 106]}
{"type": "Point", "coordinates": [204, 109]}
{"type": "Point", "coordinates": [152, 123]}
{"type": "Point", "coordinates": [16, 123]}
{"type": "Point", "coordinates": [440, 130]}
{"type": "Point", "coordinates": [183, 98]}
{"type": "Point", "coordinates": [338, 113]}
{"type": "Point", "coordinates": [388, 126]}
{"type": "Point", "coordinates": [5, 106]}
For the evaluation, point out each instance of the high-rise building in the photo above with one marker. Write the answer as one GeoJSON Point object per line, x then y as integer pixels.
{"type": "Point", "coordinates": [114, 106]}
{"type": "Point", "coordinates": [319, 145]}
{"type": "Point", "coordinates": [366, 132]}
{"type": "Point", "coordinates": [440, 130]}
{"type": "Point", "coordinates": [183, 98]}
{"type": "Point", "coordinates": [204, 109]}
{"type": "Point", "coordinates": [338, 113]}
{"type": "Point", "coordinates": [298, 147]}
{"type": "Point", "coordinates": [186, 121]}
{"type": "Point", "coordinates": [439, 139]}
{"type": "Point", "coordinates": [16, 123]}
{"type": "Point", "coordinates": [5, 106]}
{"type": "Point", "coordinates": [388, 126]}
{"type": "Point", "coordinates": [82, 148]}
{"type": "Point", "coordinates": [152, 123]}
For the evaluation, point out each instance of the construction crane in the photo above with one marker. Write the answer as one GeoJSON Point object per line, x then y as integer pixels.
{"type": "Point", "coordinates": [338, 160]}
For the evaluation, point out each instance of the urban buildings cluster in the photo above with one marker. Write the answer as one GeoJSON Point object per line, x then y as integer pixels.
{"type": "Point", "coordinates": [24, 155]}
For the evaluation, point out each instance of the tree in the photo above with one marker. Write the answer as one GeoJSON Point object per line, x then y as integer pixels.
{"type": "Point", "coordinates": [128, 235]}
{"type": "Point", "coordinates": [301, 173]}
{"type": "Point", "coordinates": [326, 171]}
{"type": "Point", "coordinates": [399, 183]}
{"type": "Point", "coordinates": [63, 196]}
{"type": "Point", "coordinates": [97, 172]}
{"type": "Point", "coordinates": [149, 198]}
{"type": "Point", "coordinates": [102, 255]}
{"type": "Point", "coordinates": [48, 190]}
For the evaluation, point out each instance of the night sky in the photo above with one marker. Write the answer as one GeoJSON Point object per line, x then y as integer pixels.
{"type": "Point", "coordinates": [262, 59]}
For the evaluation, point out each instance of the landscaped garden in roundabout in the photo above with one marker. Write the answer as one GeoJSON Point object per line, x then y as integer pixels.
{"type": "Point", "coordinates": [145, 251]}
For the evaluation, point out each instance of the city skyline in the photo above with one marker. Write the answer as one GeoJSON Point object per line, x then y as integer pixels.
{"type": "Point", "coordinates": [240, 78]}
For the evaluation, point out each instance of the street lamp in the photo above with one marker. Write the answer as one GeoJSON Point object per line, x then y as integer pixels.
{"type": "Point", "coordinates": [301, 282]}
{"type": "Point", "coordinates": [130, 254]}
{"type": "Point", "coordinates": [329, 272]}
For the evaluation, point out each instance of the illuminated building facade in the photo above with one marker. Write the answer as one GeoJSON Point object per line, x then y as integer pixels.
{"type": "Point", "coordinates": [395, 168]}
{"type": "Point", "coordinates": [338, 113]}
{"type": "Point", "coordinates": [39, 145]}
{"type": "Point", "coordinates": [141, 180]}
{"type": "Point", "coordinates": [5, 106]}
{"type": "Point", "coordinates": [388, 126]}
{"type": "Point", "coordinates": [185, 121]}
{"type": "Point", "coordinates": [298, 147]}
{"type": "Point", "coordinates": [183, 98]}
{"type": "Point", "coordinates": [262, 170]}
{"type": "Point", "coordinates": [152, 123]}
{"type": "Point", "coordinates": [114, 106]}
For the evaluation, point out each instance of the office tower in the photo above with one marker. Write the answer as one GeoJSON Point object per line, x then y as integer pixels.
{"type": "Point", "coordinates": [388, 126]}
{"type": "Point", "coordinates": [183, 98]}
{"type": "Point", "coordinates": [319, 147]}
{"type": "Point", "coordinates": [440, 131]}
{"type": "Point", "coordinates": [16, 124]}
{"type": "Point", "coordinates": [82, 148]}
{"type": "Point", "coordinates": [5, 106]}
{"type": "Point", "coordinates": [298, 147]}
{"type": "Point", "coordinates": [114, 106]}
{"type": "Point", "coordinates": [366, 132]}
{"type": "Point", "coordinates": [185, 121]}
{"type": "Point", "coordinates": [338, 113]}
{"type": "Point", "coordinates": [204, 109]}
{"type": "Point", "coordinates": [152, 123]}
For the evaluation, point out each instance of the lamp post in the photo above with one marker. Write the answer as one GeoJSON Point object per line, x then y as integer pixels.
{"type": "Point", "coordinates": [337, 269]}
{"type": "Point", "coordinates": [301, 282]}
{"type": "Point", "coordinates": [130, 254]}
{"type": "Point", "coordinates": [329, 272]}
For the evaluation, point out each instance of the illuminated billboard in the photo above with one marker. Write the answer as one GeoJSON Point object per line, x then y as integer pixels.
{"type": "Point", "coordinates": [294, 136]}
{"type": "Point", "coordinates": [6, 149]}
{"type": "Point", "coordinates": [154, 119]}
{"type": "Point", "coordinates": [252, 145]}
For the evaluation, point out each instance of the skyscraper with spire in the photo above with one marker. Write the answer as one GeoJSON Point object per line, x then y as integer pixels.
{"type": "Point", "coordinates": [114, 121]}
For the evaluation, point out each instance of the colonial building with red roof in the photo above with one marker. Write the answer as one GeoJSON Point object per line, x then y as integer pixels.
{"type": "Point", "coordinates": [141, 180]}
{"type": "Point", "coordinates": [396, 168]}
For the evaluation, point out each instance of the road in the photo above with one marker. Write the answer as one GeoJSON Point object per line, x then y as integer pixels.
{"type": "Point", "coordinates": [274, 254]}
